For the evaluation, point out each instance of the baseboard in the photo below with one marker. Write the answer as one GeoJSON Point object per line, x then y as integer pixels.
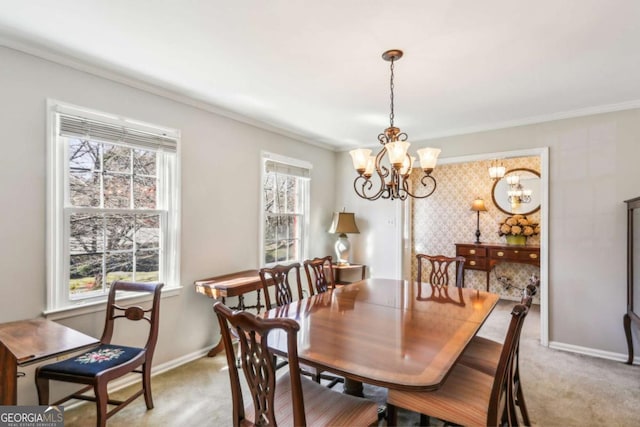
{"type": "Point", "coordinates": [130, 379]}
{"type": "Point", "coordinates": [587, 351]}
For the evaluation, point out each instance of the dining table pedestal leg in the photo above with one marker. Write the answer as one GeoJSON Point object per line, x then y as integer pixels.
{"type": "Point", "coordinates": [353, 388]}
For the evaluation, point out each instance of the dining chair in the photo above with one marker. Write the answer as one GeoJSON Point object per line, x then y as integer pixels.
{"type": "Point", "coordinates": [98, 366]}
{"type": "Point", "coordinates": [317, 277]}
{"type": "Point", "coordinates": [470, 396]}
{"type": "Point", "coordinates": [320, 279]}
{"type": "Point", "coordinates": [438, 267]}
{"type": "Point", "coordinates": [483, 355]}
{"type": "Point", "coordinates": [289, 399]}
{"type": "Point", "coordinates": [278, 277]}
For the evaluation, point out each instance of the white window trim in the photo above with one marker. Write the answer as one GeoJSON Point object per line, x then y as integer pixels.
{"type": "Point", "coordinates": [57, 306]}
{"type": "Point", "coordinates": [264, 156]}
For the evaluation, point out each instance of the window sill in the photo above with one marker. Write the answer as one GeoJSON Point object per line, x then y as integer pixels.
{"type": "Point", "coordinates": [96, 306]}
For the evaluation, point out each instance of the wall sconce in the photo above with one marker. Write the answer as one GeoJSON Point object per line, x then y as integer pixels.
{"type": "Point", "coordinates": [343, 223]}
{"type": "Point", "coordinates": [478, 206]}
{"type": "Point", "coordinates": [496, 171]}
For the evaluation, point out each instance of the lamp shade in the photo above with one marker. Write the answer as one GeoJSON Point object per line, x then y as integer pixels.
{"type": "Point", "coordinates": [343, 222]}
{"type": "Point", "coordinates": [359, 158]}
{"type": "Point", "coordinates": [478, 205]}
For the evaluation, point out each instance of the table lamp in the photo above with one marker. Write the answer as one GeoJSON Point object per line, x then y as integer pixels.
{"type": "Point", "coordinates": [478, 206]}
{"type": "Point", "coordinates": [343, 223]}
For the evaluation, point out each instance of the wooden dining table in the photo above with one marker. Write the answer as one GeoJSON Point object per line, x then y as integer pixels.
{"type": "Point", "coordinates": [390, 333]}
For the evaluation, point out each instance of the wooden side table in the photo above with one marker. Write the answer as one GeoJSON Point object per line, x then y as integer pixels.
{"type": "Point", "coordinates": [26, 342]}
{"type": "Point", "coordinates": [231, 285]}
{"type": "Point", "coordinates": [339, 270]}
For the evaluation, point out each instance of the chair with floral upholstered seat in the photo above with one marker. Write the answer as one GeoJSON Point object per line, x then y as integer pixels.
{"type": "Point", "coordinates": [97, 367]}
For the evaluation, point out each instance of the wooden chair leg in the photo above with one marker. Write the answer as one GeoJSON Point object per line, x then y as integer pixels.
{"type": "Point", "coordinates": [42, 385]}
{"type": "Point", "coordinates": [522, 406]}
{"type": "Point", "coordinates": [424, 420]}
{"type": "Point", "coordinates": [146, 384]}
{"type": "Point", "coordinates": [392, 415]}
{"type": "Point", "coordinates": [101, 404]}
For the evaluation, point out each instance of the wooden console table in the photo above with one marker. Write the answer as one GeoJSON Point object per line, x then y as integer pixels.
{"type": "Point", "coordinates": [29, 341]}
{"type": "Point", "coordinates": [231, 285]}
{"type": "Point", "coordinates": [485, 256]}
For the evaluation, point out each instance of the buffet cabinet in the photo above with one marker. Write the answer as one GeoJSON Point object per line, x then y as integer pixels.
{"type": "Point", "coordinates": [485, 256]}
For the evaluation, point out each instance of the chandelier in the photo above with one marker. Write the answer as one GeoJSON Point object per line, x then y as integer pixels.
{"type": "Point", "coordinates": [517, 193]}
{"type": "Point", "coordinates": [496, 170]}
{"type": "Point", "coordinates": [391, 180]}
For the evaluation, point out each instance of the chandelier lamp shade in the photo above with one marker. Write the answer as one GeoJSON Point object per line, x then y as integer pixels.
{"type": "Point", "coordinates": [386, 175]}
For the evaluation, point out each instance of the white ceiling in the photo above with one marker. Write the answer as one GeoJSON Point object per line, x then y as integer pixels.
{"type": "Point", "coordinates": [314, 68]}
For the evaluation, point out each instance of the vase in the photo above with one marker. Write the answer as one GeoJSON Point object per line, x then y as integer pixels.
{"type": "Point", "coordinates": [516, 240]}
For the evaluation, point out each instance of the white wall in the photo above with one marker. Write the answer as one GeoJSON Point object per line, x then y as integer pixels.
{"type": "Point", "coordinates": [593, 169]}
{"type": "Point", "coordinates": [220, 198]}
{"type": "Point", "coordinates": [378, 245]}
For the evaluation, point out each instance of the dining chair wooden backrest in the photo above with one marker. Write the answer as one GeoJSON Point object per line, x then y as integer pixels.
{"type": "Point", "coordinates": [289, 399]}
{"type": "Point", "coordinates": [279, 277]}
{"type": "Point", "coordinates": [319, 274]}
{"type": "Point", "coordinates": [483, 354]}
{"type": "Point", "coordinates": [503, 396]}
{"type": "Point", "coordinates": [438, 267]}
{"type": "Point", "coordinates": [257, 364]}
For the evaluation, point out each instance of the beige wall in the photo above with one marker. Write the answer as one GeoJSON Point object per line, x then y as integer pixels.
{"type": "Point", "coordinates": [593, 169]}
{"type": "Point", "coordinates": [220, 198]}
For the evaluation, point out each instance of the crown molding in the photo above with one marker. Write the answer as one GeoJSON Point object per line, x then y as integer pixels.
{"type": "Point", "coordinates": [97, 68]}
{"type": "Point", "coordinates": [570, 114]}
{"type": "Point", "coordinates": [53, 53]}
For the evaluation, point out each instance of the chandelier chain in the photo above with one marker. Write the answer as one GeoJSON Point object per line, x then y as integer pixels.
{"type": "Point", "coordinates": [391, 115]}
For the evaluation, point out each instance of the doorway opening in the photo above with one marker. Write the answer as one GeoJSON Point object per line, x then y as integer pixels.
{"type": "Point", "coordinates": [434, 225]}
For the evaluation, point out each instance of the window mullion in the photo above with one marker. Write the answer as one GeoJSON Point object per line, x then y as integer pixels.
{"type": "Point", "coordinates": [104, 253]}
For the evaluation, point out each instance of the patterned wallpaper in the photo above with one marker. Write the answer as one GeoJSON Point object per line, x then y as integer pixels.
{"type": "Point", "coordinates": [445, 218]}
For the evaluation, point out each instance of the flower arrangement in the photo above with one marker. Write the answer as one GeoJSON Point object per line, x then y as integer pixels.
{"type": "Point", "coordinates": [518, 225]}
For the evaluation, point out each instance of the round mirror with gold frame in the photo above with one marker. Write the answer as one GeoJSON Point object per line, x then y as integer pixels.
{"type": "Point", "coordinates": [517, 192]}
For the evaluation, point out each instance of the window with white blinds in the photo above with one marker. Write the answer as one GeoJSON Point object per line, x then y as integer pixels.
{"type": "Point", "coordinates": [285, 209]}
{"type": "Point", "coordinates": [113, 205]}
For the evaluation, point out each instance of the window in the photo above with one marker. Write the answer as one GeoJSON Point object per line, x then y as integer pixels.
{"type": "Point", "coordinates": [113, 205]}
{"type": "Point", "coordinates": [285, 209]}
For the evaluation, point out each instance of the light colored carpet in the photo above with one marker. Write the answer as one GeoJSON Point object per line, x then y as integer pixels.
{"type": "Point", "coordinates": [561, 389]}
